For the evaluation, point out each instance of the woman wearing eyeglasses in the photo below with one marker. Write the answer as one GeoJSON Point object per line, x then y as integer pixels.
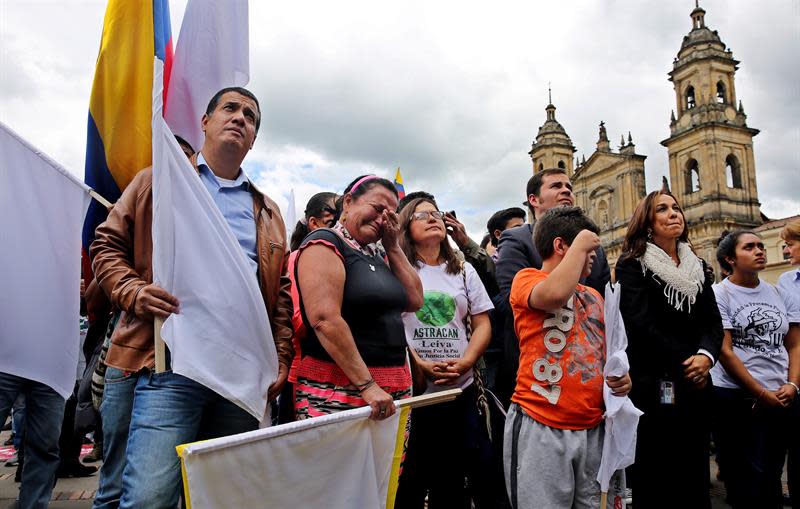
{"type": "Point", "coordinates": [444, 445]}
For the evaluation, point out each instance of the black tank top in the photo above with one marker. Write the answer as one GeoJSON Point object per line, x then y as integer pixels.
{"type": "Point", "coordinates": [372, 304]}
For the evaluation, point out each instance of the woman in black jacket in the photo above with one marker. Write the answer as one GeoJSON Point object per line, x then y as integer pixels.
{"type": "Point", "coordinates": [674, 338]}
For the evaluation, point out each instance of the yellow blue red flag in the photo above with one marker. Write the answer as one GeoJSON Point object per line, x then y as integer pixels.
{"type": "Point", "coordinates": [398, 184]}
{"type": "Point", "coordinates": [118, 139]}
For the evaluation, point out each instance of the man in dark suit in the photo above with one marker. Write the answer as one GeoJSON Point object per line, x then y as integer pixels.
{"type": "Point", "coordinates": [546, 189]}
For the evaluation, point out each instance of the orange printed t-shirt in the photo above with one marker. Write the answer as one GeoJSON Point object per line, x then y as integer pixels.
{"type": "Point", "coordinates": [562, 354]}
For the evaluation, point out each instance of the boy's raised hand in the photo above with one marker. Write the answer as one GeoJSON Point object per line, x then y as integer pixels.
{"type": "Point", "coordinates": [620, 385]}
{"type": "Point", "coordinates": [586, 241]}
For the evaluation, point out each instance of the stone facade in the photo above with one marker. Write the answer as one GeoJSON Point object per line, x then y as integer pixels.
{"type": "Point", "coordinates": [608, 186]}
{"type": "Point", "coordinates": [710, 149]}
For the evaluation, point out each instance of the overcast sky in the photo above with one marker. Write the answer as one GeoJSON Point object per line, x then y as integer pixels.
{"type": "Point", "coordinates": [451, 92]}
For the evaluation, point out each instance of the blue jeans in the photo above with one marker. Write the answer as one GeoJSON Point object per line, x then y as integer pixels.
{"type": "Point", "coordinates": [44, 411]}
{"type": "Point", "coordinates": [169, 410]}
{"type": "Point", "coordinates": [115, 413]}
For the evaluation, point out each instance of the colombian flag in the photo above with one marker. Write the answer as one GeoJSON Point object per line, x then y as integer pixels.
{"type": "Point", "coordinates": [118, 141]}
{"type": "Point", "coordinates": [398, 184]}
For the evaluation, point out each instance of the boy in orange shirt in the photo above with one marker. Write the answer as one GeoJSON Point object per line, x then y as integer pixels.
{"type": "Point", "coordinates": [554, 433]}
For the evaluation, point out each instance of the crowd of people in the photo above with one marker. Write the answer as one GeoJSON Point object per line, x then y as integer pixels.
{"type": "Point", "coordinates": [370, 302]}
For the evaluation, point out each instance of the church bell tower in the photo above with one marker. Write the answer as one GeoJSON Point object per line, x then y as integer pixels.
{"type": "Point", "coordinates": [552, 147]}
{"type": "Point", "coordinates": [711, 163]}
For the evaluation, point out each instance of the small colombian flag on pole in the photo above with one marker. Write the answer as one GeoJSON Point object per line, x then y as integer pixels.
{"type": "Point", "coordinates": [398, 184]}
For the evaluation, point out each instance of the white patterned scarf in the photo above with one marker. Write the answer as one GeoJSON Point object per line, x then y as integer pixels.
{"type": "Point", "coordinates": [683, 282]}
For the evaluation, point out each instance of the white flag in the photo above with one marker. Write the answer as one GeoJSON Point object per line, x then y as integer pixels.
{"type": "Point", "coordinates": [41, 208]}
{"type": "Point", "coordinates": [291, 215]}
{"type": "Point", "coordinates": [621, 417]}
{"type": "Point", "coordinates": [339, 461]}
{"type": "Point", "coordinates": [222, 337]}
{"type": "Point", "coordinates": [212, 53]}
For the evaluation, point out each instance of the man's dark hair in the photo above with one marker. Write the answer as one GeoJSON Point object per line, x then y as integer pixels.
{"type": "Point", "coordinates": [563, 222]}
{"type": "Point", "coordinates": [212, 104]}
{"type": "Point", "coordinates": [413, 196]}
{"type": "Point", "coordinates": [499, 220]}
{"type": "Point", "coordinates": [534, 186]}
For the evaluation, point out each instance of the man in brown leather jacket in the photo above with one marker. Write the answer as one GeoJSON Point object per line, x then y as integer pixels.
{"type": "Point", "coordinates": [170, 409]}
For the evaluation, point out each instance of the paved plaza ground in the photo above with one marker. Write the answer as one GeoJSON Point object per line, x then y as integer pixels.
{"type": "Point", "coordinates": [78, 493]}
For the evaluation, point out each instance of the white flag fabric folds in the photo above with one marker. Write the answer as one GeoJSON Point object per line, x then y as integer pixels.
{"type": "Point", "coordinates": [339, 461]}
{"type": "Point", "coordinates": [221, 337]}
{"type": "Point", "coordinates": [291, 215]}
{"type": "Point", "coordinates": [41, 208]}
{"type": "Point", "coordinates": [621, 418]}
{"type": "Point", "coordinates": [212, 53]}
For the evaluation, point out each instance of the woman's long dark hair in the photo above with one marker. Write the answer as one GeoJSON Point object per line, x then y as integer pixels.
{"type": "Point", "coordinates": [453, 264]}
{"type": "Point", "coordinates": [316, 207]}
{"type": "Point", "coordinates": [636, 237]}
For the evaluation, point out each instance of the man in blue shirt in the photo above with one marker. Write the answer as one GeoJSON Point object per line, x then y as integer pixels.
{"type": "Point", "coordinates": [170, 409]}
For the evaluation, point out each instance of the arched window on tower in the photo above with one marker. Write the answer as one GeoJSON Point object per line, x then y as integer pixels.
{"type": "Point", "coordinates": [692, 177]}
{"type": "Point", "coordinates": [721, 97]}
{"type": "Point", "coordinates": [690, 102]}
{"type": "Point", "coordinates": [561, 164]}
{"type": "Point", "coordinates": [541, 166]}
{"type": "Point", "coordinates": [733, 172]}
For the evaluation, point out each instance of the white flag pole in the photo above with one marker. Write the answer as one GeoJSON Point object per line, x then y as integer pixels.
{"type": "Point", "coordinates": [429, 399]}
{"type": "Point", "coordinates": [159, 347]}
{"type": "Point", "coordinates": [105, 203]}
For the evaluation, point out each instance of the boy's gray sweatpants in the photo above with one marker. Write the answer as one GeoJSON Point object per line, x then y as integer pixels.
{"type": "Point", "coordinates": [550, 468]}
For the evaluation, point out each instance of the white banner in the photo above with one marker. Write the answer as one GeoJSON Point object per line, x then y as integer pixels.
{"type": "Point", "coordinates": [41, 208]}
{"type": "Point", "coordinates": [621, 417]}
{"type": "Point", "coordinates": [212, 53]}
{"type": "Point", "coordinates": [339, 461]}
{"type": "Point", "coordinates": [221, 337]}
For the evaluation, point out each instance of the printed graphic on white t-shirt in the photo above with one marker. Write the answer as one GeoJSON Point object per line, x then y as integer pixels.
{"type": "Point", "coordinates": [758, 320]}
{"type": "Point", "coordinates": [437, 331]}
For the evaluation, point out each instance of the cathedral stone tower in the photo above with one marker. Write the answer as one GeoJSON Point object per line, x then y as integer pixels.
{"type": "Point", "coordinates": [711, 163]}
{"type": "Point", "coordinates": [552, 147]}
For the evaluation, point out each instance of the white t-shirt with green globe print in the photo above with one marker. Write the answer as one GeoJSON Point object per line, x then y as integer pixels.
{"type": "Point", "coordinates": [437, 331]}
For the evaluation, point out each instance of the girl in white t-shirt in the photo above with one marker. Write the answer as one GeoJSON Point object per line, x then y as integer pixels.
{"type": "Point", "coordinates": [756, 379]}
{"type": "Point", "coordinates": [445, 442]}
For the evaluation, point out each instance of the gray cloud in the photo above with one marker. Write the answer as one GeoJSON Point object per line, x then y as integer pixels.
{"type": "Point", "coordinates": [452, 92]}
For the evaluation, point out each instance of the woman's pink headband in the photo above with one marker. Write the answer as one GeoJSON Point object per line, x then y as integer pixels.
{"type": "Point", "coordinates": [361, 181]}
